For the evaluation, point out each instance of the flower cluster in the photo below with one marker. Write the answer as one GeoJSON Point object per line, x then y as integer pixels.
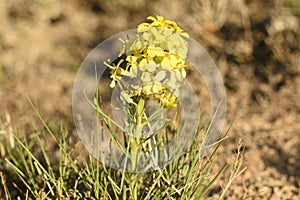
{"type": "Point", "coordinates": [155, 63]}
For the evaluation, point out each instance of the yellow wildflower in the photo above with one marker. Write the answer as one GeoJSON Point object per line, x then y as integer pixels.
{"type": "Point", "coordinates": [155, 61]}
{"type": "Point", "coordinates": [168, 100]}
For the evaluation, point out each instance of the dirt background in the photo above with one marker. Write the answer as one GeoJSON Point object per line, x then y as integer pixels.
{"type": "Point", "coordinates": [256, 45]}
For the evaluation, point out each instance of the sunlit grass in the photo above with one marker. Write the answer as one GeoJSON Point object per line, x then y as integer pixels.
{"type": "Point", "coordinates": [33, 171]}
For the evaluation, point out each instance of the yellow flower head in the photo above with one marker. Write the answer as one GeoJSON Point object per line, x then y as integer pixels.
{"type": "Point", "coordinates": [155, 60]}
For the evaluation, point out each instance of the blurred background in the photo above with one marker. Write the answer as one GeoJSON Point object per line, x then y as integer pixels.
{"type": "Point", "coordinates": [255, 44]}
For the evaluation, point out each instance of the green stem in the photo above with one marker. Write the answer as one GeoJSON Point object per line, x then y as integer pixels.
{"type": "Point", "coordinates": [135, 147]}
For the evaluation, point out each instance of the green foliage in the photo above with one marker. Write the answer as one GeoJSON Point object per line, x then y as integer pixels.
{"type": "Point", "coordinates": [37, 174]}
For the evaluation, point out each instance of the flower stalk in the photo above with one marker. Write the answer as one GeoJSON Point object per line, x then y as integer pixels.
{"type": "Point", "coordinates": [154, 63]}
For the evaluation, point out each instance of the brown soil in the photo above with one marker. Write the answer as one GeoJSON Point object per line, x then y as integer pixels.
{"type": "Point", "coordinates": [255, 45]}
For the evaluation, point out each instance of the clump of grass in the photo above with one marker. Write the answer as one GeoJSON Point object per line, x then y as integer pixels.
{"type": "Point", "coordinates": [34, 173]}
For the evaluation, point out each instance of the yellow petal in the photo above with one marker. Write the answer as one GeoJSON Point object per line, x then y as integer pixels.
{"type": "Point", "coordinates": [147, 89]}
{"type": "Point", "coordinates": [160, 76]}
{"type": "Point", "coordinates": [160, 37]}
{"type": "Point", "coordinates": [151, 18]}
{"type": "Point", "coordinates": [167, 32]}
{"type": "Point", "coordinates": [146, 77]}
{"type": "Point", "coordinates": [180, 65]}
{"type": "Point", "coordinates": [182, 52]}
{"type": "Point", "coordinates": [165, 62]}
{"type": "Point", "coordinates": [112, 84]}
{"type": "Point", "coordinates": [138, 44]}
{"type": "Point", "coordinates": [146, 36]}
{"type": "Point", "coordinates": [142, 64]}
{"type": "Point", "coordinates": [183, 73]}
{"type": "Point", "coordinates": [170, 22]}
{"type": "Point", "coordinates": [143, 27]}
{"type": "Point", "coordinates": [151, 62]}
{"type": "Point", "coordinates": [156, 23]}
{"type": "Point", "coordinates": [154, 31]}
{"type": "Point", "coordinates": [171, 46]}
{"type": "Point", "coordinates": [133, 71]}
{"type": "Point", "coordinates": [172, 84]}
{"type": "Point", "coordinates": [173, 78]}
{"type": "Point", "coordinates": [156, 51]}
{"type": "Point", "coordinates": [129, 58]}
{"type": "Point", "coordinates": [156, 89]}
{"type": "Point", "coordinates": [173, 61]}
{"type": "Point", "coordinates": [151, 67]}
{"type": "Point", "coordinates": [178, 74]}
{"type": "Point", "coordinates": [120, 71]}
{"type": "Point", "coordinates": [160, 18]}
{"type": "Point", "coordinates": [185, 34]}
